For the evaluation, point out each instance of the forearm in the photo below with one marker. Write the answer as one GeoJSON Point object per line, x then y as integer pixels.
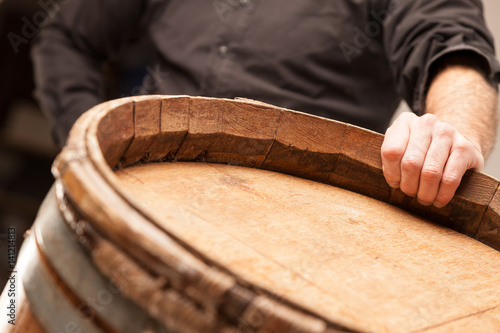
{"type": "Point", "coordinates": [461, 96]}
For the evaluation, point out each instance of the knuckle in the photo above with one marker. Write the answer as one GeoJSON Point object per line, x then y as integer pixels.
{"type": "Point", "coordinates": [463, 153]}
{"type": "Point", "coordinates": [409, 115]}
{"type": "Point", "coordinates": [391, 175]}
{"type": "Point", "coordinates": [468, 154]}
{"type": "Point", "coordinates": [392, 153]}
{"type": "Point", "coordinates": [403, 118]}
{"type": "Point", "coordinates": [450, 180]}
{"type": "Point", "coordinates": [411, 163]}
{"type": "Point", "coordinates": [426, 198]}
{"type": "Point", "coordinates": [463, 148]}
{"type": "Point", "coordinates": [393, 182]}
{"type": "Point", "coordinates": [431, 173]}
{"type": "Point", "coordinates": [428, 119]}
{"type": "Point", "coordinates": [443, 130]}
{"type": "Point", "coordinates": [443, 198]}
{"type": "Point", "coordinates": [409, 189]}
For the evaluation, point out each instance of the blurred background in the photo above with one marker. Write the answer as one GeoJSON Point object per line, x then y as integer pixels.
{"type": "Point", "coordinates": [26, 146]}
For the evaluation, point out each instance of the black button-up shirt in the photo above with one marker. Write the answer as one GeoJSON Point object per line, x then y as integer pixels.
{"type": "Point", "coordinates": [351, 60]}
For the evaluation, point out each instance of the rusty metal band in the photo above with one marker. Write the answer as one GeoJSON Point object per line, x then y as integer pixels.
{"type": "Point", "coordinates": [63, 287]}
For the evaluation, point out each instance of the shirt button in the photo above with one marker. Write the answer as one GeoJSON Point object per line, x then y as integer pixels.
{"type": "Point", "coordinates": [223, 51]}
{"type": "Point", "coordinates": [244, 2]}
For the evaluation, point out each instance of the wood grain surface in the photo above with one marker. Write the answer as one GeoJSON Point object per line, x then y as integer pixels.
{"type": "Point", "coordinates": [330, 250]}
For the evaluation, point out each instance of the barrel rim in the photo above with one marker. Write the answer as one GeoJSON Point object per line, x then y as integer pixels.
{"type": "Point", "coordinates": [350, 160]}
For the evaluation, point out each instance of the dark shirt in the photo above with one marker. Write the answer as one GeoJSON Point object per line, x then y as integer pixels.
{"type": "Point", "coordinates": [350, 60]}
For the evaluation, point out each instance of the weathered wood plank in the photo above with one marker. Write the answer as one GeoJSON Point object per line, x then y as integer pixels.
{"type": "Point", "coordinates": [174, 124]}
{"type": "Point", "coordinates": [359, 167]}
{"type": "Point", "coordinates": [489, 231]}
{"type": "Point", "coordinates": [224, 131]}
{"type": "Point", "coordinates": [305, 146]}
{"type": "Point", "coordinates": [248, 132]}
{"type": "Point", "coordinates": [204, 125]}
{"type": "Point", "coordinates": [466, 210]}
{"type": "Point", "coordinates": [146, 130]}
{"type": "Point", "coordinates": [115, 132]}
{"type": "Point", "coordinates": [470, 202]}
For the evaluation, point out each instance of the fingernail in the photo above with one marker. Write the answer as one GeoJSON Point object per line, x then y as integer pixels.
{"type": "Point", "coordinates": [394, 185]}
{"type": "Point", "coordinates": [439, 205]}
{"type": "Point", "coordinates": [424, 203]}
{"type": "Point", "coordinates": [411, 195]}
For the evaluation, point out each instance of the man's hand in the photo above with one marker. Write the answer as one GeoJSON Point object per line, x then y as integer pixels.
{"type": "Point", "coordinates": [427, 158]}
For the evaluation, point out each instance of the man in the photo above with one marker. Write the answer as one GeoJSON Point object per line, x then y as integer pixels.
{"type": "Point", "coordinates": [351, 60]}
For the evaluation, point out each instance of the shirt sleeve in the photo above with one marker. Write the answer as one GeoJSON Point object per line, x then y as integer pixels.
{"type": "Point", "coordinates": [69, 54]}
{"type": "Point", "coordinates": [418, 33]}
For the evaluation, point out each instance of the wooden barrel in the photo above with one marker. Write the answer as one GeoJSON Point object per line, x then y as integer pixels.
{"type": "Point", "coordinates": [61, 290]}
{"type": "Point", "coordinates": [210, 215]}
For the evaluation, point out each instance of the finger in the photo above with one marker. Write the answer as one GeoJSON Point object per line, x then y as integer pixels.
{"type": "Point", "coordinates": [393, 148]}
{"type": "Point", "coordinates": [461, 159]}
{"type": "Point", "coordinates": [435, 162]}
{"type": "Point", "coordinates": [413, 160]}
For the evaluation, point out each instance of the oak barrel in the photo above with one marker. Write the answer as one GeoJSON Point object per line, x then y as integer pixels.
{"type": "Point", "coordinates": [191, 214]}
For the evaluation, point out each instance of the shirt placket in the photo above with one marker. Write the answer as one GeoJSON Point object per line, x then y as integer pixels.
{"type": "Point", "coordinates": [236, 17]}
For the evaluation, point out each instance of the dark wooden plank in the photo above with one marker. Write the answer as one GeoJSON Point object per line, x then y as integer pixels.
{"type": "Point", "coordinates": [465, 211]}
{"type": "Point", "coordinates": [146, 130]}
{"type": "Point", "coordinates": [224, 131]}
{"type": "Point", "coordinates": [204, 124]}
{"type": "Point", "coordinates": [249, 130]}
{"type": "Point", "coordinates": [115, 132]}
{"type": "Point", "coordinates": [305, 146]}
{"type": "Point", "coordinates": [411, 204]}
{"type": "Point", "coordinates": [471, 201]}
{"type": "Point", "coordinates": [174, 124]}
{"type": "Point", "coordinates": [489, 231]}
{"type": "Point", "coordinates": [359, 167]}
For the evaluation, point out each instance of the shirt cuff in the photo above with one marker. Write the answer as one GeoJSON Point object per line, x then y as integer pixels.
{"type": "Point", "coordinates": [490, 65]}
